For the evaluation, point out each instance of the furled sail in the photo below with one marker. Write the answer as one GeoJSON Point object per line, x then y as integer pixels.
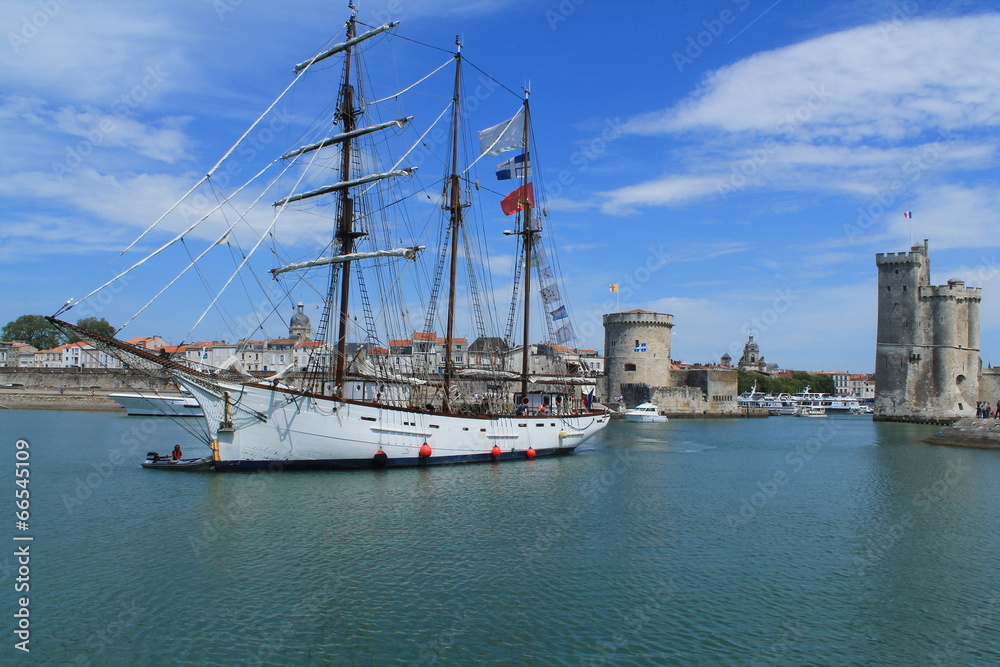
{"type": "Point", "coordinates": [343, 46]}
{"type": "Point", "coordinates": [343, 136]}
{"type": "Point", "coordinates": [343, 185]}
{"type": "Point", "coordinates": [406, 253]}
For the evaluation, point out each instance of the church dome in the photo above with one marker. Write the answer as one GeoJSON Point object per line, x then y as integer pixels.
{"type": "Point", "coordinates": [299, 326]}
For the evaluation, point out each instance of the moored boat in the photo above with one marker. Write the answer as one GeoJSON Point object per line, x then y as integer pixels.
{"type": "Point", "coordinates": [645, 412]}
{"type": "Point", "coordinates": [157, 405]}
{"type": "Point", "coordinates": [156, 462]}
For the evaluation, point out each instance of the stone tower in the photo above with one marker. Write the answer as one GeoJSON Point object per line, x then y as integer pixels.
{"type": "Point", "coordinates": [927, 347]}
{"type": "Point", "coordinates": [299, 327]}
{"type": "Point", "coordinates": [636, 351]}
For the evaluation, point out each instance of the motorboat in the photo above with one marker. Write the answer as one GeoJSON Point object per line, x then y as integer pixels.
{"type": "Point", "coordinates": [645, 413]}
{"type": "Point", "coordinates": [810, 411]}
{"type": "Point", "coordinates": [156, 462]}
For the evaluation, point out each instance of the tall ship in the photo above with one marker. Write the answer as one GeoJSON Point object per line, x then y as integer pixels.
{"type": "Point", "coordinates": [378, 216]}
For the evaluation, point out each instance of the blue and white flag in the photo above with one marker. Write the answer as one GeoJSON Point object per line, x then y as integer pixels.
{"type": "Point", "coordinates": [516, 167]}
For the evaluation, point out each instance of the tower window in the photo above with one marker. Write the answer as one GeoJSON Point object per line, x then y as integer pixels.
{"type": "Point", "coordinates": [629, 367]}
{"type": "Point", "coordinates": [888, 288]}
{"type": "Point", "coordinates": [904, 288]}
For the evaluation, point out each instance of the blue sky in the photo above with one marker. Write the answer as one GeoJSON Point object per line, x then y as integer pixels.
{"type": "Point", "coordinates": [734, 163]}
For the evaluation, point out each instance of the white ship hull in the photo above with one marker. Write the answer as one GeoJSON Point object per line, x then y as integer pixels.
{"type": "Point", "coordinates": [278, 429]}
{"type": "Point", "coordinates": [154, 405]}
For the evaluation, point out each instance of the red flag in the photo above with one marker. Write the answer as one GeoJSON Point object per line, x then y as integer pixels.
{"type": "Point", "coordinates": [518, 200]}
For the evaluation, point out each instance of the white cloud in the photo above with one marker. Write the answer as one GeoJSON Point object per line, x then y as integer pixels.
{"type": "Point", "coordinates": [852, 86]}
{"type": "Point", "coordinates": [668, 190]}
{"type": "Point", "coordinates": [91, 53]}
{"type": "Point", "coordinates": [852, 113]}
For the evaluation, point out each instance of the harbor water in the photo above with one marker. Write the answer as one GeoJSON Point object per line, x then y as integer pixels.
{"type": "Point", "coordinates": [781, 541]}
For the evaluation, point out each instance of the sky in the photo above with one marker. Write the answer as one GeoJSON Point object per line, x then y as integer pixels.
{"type": "Point", "coordinates": [734, 163]}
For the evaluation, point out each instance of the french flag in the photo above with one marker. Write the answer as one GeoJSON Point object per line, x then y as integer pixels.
{"type": "Point", "coordinates": [908, 214]}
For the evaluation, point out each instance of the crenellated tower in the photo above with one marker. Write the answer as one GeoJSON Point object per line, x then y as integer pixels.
{"type": "Point", "coordinates": [636, 350]}
{"type": "Point", "coordinates": [927, 346]}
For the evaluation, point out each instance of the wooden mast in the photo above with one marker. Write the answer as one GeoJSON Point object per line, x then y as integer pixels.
{"type": "Point", "coordinates": [345, 223]}
{"type": "Point", "coordinates": [455, 221]}
{"type": "Point", "coordinates": [529, 245]}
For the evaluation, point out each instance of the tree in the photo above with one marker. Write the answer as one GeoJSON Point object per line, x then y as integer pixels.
{"type": "Point", "coordinates": [769, 384]}
{"type": "Point", "coordinates": [100, 326]}
{"type": "Point", "coordinates": [34, 330]}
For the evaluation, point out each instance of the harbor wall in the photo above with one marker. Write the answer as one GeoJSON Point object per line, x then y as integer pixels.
{"type": "Point", "coordinates": [82, 378]}
{"type": "Point", "coordinates": [969, 432]}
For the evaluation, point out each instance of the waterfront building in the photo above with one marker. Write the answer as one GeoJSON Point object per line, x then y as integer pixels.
{"type": "Point", "coordinates": [927, 347]}
{"type": "Point", "coordinates": [861, 386]}
{"type": "Point", "coordinates": [20, 355]}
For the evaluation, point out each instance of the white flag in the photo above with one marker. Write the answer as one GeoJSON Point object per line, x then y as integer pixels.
{"type": "Point", "coordinates": [506, 136]}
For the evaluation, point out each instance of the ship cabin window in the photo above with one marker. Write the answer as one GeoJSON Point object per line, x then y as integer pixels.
{"type": "Point", "coordinates": [629, 367]}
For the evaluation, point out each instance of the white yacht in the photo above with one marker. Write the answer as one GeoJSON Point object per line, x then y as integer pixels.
{"type": "Point", "coordinates": [830, 403]}
{"type": "Point", "coordinates": [645, 412]}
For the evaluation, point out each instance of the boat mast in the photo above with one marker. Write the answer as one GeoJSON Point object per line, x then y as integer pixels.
{"type": "Point", "coordinates": [455, 221]}
{"type": "Point", "coordinates": [529, 233]}
{"type": "Point", "coordinates": [345, 223]}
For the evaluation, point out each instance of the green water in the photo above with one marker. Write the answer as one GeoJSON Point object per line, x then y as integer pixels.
{"type": "Point", "coordinates": [722, 542]}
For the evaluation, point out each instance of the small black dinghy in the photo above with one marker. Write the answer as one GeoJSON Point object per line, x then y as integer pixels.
{"type": "Point", "coordinates": [156, 462]}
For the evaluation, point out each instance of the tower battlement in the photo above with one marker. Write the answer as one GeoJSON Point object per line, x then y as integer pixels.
{"type": "Point", "coordinates": [898, 258]}
{"type": "Point", "coordinates": [952, 291]}
{"type": "Point", "coordinates": [640, 317]}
